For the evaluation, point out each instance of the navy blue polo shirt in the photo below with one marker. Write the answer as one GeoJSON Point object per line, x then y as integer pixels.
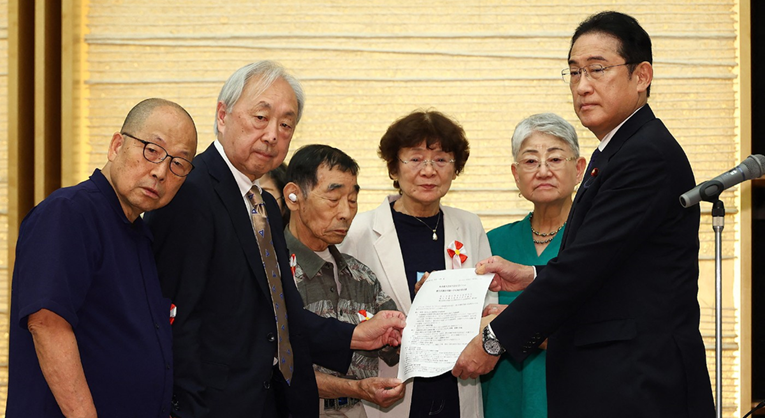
{"type": "Point", "coordinates": [79, 256]}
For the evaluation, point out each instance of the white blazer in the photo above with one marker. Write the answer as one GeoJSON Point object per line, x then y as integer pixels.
{"type": "Point", "coordinates": [373, 240]}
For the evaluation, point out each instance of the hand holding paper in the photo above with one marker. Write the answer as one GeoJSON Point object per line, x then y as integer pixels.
{"type": "Point", "coordinates": [508, 276]}
{"type": "Point", "coordinates": [421, 282]}
{"type": "Point", "coordinates": [474, 361]}
{"type": "Point", "coordinates": [381, 391]}
{"type": "Point", "coordinates": [443, 318]}
{"type": "Point", "coordinates": [383, 329]}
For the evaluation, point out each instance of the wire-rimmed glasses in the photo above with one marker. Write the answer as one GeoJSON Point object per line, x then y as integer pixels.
{"type": "Point", "coordinates": [417, 163]}
{"type": "Point", "coordinates": [592, 72]}
{"type": "Point", "coordinates": [532, 164]}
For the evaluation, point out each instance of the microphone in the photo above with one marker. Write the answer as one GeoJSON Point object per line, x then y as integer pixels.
{"type": "Point", "coordinates": [751, 168]}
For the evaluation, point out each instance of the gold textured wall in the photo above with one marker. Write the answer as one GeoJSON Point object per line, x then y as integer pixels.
{"type": "Point", "coordinates": [489, 64]}
{"type": "Point", "coordinates": [4, 272]}
{"type": "Point", "coordinates": [363, 64]}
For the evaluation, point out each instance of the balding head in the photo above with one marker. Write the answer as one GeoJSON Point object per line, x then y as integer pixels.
{"type": "Point", "coordinates": [156, 133]}
{"type": "Point", "coordinates": [138, 114]}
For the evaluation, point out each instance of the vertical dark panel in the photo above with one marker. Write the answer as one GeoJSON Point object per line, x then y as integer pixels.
{"type": "Point", "coordinates": [34, 108]}
{"type": "Point", "coordinates": [22, 112]}
{"type": "Point", "coordinates": [51, 68]}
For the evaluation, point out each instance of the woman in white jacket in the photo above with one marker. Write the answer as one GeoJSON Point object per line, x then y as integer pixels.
{"type": "Point", "coordinates": [411, 233]}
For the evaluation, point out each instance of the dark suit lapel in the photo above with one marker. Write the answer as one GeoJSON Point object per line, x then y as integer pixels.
{"type": "Point", "coordinates": [226, 188]}
{"type": "Point", "coordinates": [643, 116]}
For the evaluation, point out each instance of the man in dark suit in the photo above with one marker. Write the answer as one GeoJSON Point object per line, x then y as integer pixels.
{"type": "Point", "coordinates": [619, 303]}
{"type": "Point", "coordinates": [212, 249]}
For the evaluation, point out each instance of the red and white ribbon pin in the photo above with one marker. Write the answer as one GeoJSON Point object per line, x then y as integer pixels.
{"type": "Point", "coordinates": [293, 264]}
{"type": "Point", "coordinates": [457, 253]}
{"type": "Point", "coordinates": [173, 311]}
{"type": "Point", "coordinates": [364, 315]}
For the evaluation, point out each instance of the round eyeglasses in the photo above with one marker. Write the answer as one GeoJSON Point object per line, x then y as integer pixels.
{"type": "Point", "coordinates": [531, 165]}
{"type": "Point", "coordinates": [155, 153]}
{"type": "Point", "coordinates": [592, 72]}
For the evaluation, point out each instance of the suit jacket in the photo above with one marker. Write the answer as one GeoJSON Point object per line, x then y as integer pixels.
{"type": "Point", "coordinates": [224, 332]}
{"type": "Point", "coordinates": [373, 240]}
{"type": "Point", "coordinates": [619, 303]}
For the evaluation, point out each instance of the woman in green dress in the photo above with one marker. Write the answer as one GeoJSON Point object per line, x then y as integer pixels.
{"type": "Point", "coordinates": [547, 168]}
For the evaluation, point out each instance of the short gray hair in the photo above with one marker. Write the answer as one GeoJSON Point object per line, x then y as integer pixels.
{"type": "Point", "coordinates": [546, 123]}
{"type": "Point", "coordinates": [266, 73]}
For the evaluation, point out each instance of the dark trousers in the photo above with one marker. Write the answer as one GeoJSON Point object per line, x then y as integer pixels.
{"type": "Point", "coordinates": [435, 396]}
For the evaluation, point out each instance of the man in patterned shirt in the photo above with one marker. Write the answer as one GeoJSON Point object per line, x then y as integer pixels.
{"type": "Point", "coordinates": [321, 195]}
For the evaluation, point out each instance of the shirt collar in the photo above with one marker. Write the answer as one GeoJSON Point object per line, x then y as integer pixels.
{"type": "Point", "coordinates": [103, 186]}
{"type": "Point", "coordinates": [606, 139]}
{"type": "Point", "coordinates": [242, 181]}
{"type": "Point", "coordinates": [309, 261]}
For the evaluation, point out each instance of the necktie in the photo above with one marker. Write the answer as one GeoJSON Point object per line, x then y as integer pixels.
{"type": "Point", "coordinates": [587, 178]}
{"type": "Point", "coordinates": [271, 267]}
{"type": "Point", "coordinates": [591, 171]}
{"type": "Point", "coordinates": [595, 155]}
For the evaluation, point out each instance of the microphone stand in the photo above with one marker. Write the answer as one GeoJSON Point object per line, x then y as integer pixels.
{"type": "Point", "coordinates": [718, 223]}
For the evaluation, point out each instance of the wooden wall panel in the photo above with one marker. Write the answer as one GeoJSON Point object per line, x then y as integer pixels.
{"type": "Point", "coordinates": [4, 236]}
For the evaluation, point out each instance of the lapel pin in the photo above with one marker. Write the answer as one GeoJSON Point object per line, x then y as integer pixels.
{"type": "Point", "coordinates": [293, 264]}
{"type": "Point", "coordinates": [173, 311]}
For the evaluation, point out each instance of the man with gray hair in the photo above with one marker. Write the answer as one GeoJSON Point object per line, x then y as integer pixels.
{"type": "Point", "coordinates": [243, 345]}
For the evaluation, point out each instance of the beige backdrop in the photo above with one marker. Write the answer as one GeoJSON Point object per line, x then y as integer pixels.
{"type": "Point", "coordinates": [363, 64]}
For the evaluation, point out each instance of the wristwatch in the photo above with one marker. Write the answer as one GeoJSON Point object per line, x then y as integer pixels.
{"type": "Point", "coordinates": [490, 343]}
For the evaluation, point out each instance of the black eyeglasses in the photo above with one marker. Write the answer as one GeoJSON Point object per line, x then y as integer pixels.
{"type": "Point", "coordinates": [154, 153]}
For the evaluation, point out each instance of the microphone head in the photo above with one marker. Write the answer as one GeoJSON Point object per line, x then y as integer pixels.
{"type": "Point", "coordinates": [755, 164]}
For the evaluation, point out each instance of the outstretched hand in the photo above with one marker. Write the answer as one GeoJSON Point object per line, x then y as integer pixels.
{"type": "Point", "coordinates": [381, 391]}
{"type": "Point", "coordinates": [474, 361]}
{"type": "Point", "coordinates": [508, 276]}
{"type": "Point", "coordinates": [384, 328]}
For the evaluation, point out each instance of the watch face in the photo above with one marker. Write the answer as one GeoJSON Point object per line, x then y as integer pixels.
{"type": "Point", "coordinates": [492, 347]}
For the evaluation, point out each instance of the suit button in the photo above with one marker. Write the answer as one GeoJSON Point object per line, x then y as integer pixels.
{"type": "Point", "coordinates": [267, 385]}
{"type": "Point", "coordinates": [331, 290]}
{"type": "Point", "coordinates": [271, 337]}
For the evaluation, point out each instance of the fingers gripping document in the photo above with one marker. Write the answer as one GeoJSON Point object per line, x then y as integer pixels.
{"type": "Point", "coordinates": [444, 317]}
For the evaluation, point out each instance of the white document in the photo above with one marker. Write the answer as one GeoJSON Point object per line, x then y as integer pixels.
{"type": "Point", "coordinates": [444, 317]}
